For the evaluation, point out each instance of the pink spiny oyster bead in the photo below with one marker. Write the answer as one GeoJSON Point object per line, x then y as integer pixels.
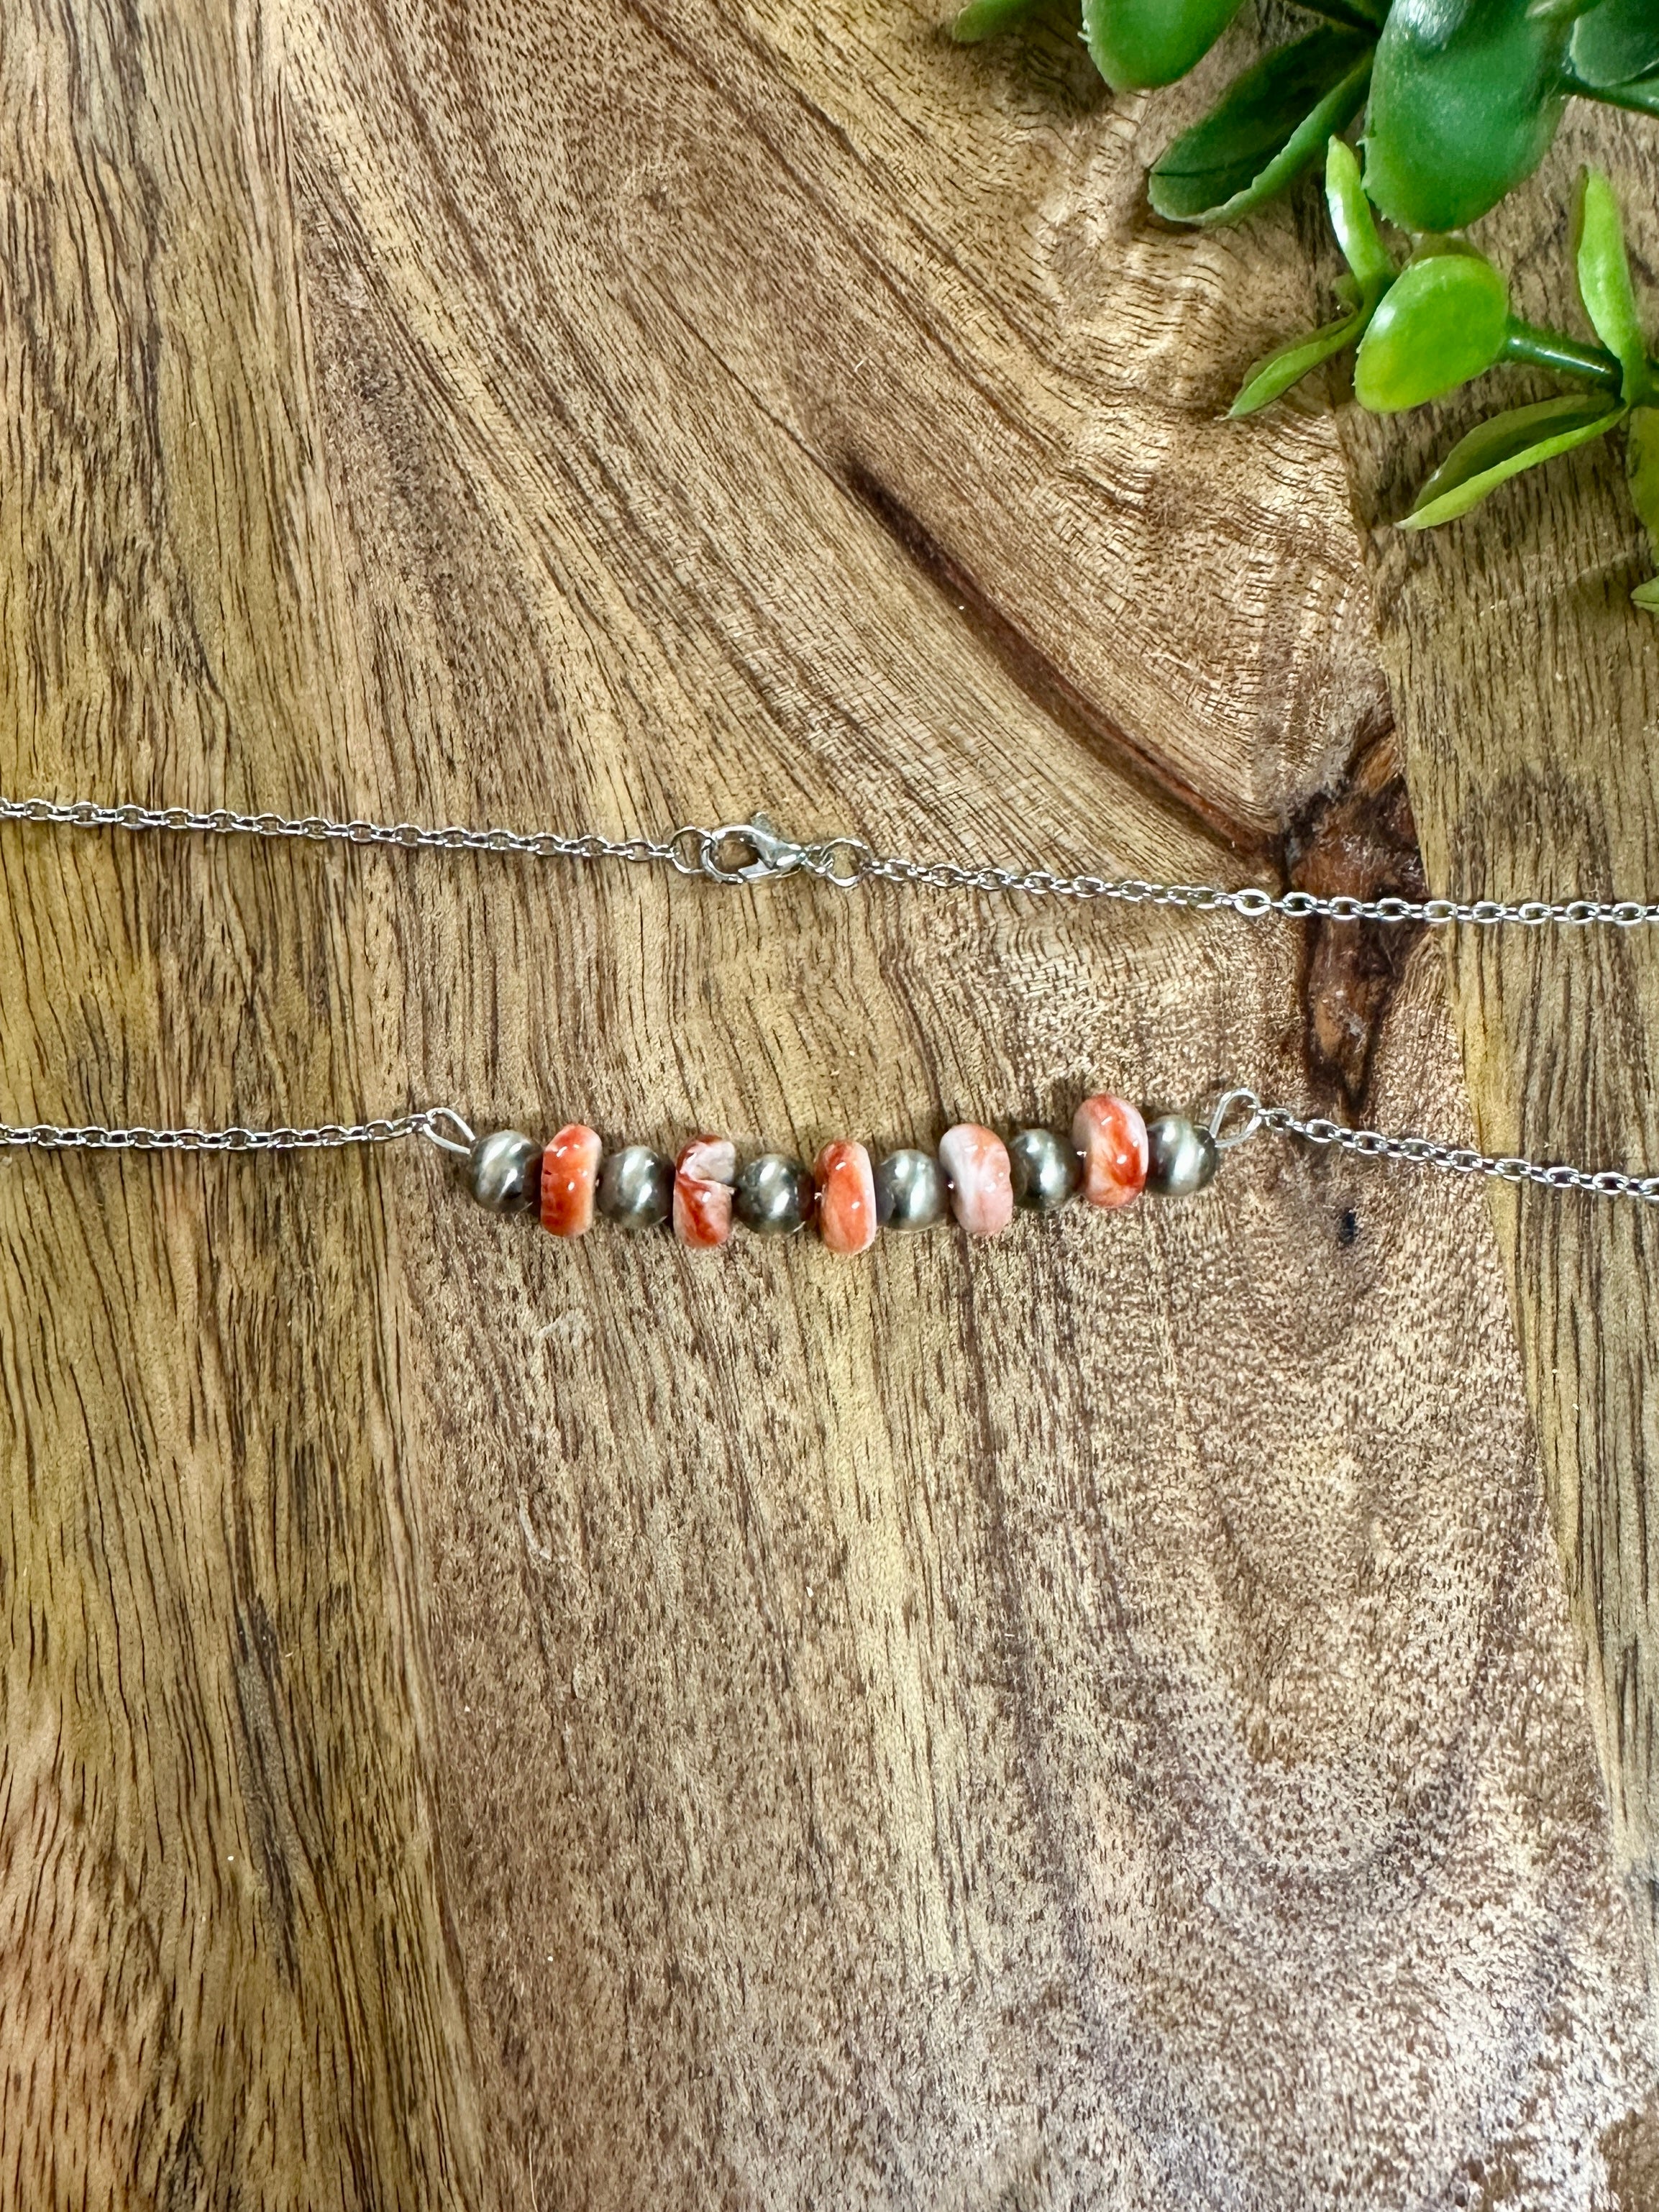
{"type": "Point", "coordinates": [976, 1160]}
{"type": "Point", "coordinates": [847, 1197]}
{"type": "Point", "coordinates": [1111, 1137]}
{"type": "Point", "coordinates": [704, 1176]}
{"type": "Point", "coordinates": [570, 1175]}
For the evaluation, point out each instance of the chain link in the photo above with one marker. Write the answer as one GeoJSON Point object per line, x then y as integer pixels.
{"type": "Point", "coordinates": [441, 1125]}
{"type": "Point", "coordinates": [317, 829]}
{"type": "Point", "coordinates": [1252, 902]}
{"type": "Point", "coordinates": [1229, 1129]}
{"type": "Point", "coordinates": [846, 862]}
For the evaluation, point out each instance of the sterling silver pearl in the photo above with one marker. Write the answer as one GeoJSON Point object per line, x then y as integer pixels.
{"type": "Point", "coordinates": [774, 1195]}
{"type": "Point", "coordinates": [637, 1187]}
{"type": "Point", "coordinates": [911, 1191]}
{"type": "Point", "coordinates": [1045, 1169]}
{"type": "Point", "coordinates": [504, 1170]}
{"type": "Point", "coordinates": [1181, 1157]}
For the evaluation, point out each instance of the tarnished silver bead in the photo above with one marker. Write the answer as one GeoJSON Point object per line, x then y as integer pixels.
{"type": "Point", "coordinates": [504, 1170]}
{"type": "Point", "coordinates": [637, 1187]}
{"type": "Point", "coordinates": [911, 1191]}
{"type": "Point", "coordinates": [1181, 1157]}
{"type": "Point", "coordinates": [1043, 1168]}
{"type": "Point", "coordinates": [774, 1195]}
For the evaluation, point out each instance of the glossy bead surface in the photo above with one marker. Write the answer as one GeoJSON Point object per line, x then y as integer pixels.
{"type": "Point", "coordinates": [704, 1176]}
{"type": "Point", "coordinates": [1045, 1169]}
{"type": "Point", "coordinates": [911, 1191]}
{"type": "Point", "coordinates": [774, 1195]}
{"type": "Point", "coordinates": [570, 1176]}
{"type": "Point", "coordinates": [976, 1160]}
{"type": "Point", "coordinates": [1182, 1158]}
{"type": "Point", "coordinates": [637, 1187]}
{"type": "Point", "coordinates": [848, 1219]}
{"type": "Point", "coordinates": [1110, 1137]}
{"type": "Point", "coordinates": [503, 1170]}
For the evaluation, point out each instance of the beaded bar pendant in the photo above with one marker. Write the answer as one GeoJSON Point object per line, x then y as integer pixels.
{"type": "Point", "coordinates": [1113, 1155]}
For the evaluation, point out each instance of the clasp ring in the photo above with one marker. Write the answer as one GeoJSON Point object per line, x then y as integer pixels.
{"type": "Point", "coordinates": [433, 1123]}
{"type": "Point", "coordinates": [772, 856]}
{"type": "Point", "coordinates": [1221, 1136]}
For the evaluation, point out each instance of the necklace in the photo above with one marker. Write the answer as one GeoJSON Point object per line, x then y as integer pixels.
{"type": "Point", "coordinates": [1112, 1154]}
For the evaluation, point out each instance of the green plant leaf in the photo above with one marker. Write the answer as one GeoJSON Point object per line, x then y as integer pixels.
{"type": "Point", "coordinates": [983, 19]}
{"type": "Point", "coordinates": [1372, 274]}
{"type": "Point", "coordinates": [1646, 596]}
{"type": "Point", "coordinates": [1604, 282]}
{"type": "Point", "coordinates": [1642, 469]}
{"type": "Point", "coordinates": [1138, 43]}
{"type": "Point", "coordinates": [1268, 126]}
{"type": "Point", "coordinates": [1615, 43]}
{"type": "Point", "coordinates": [1501, 448]}
{"type": "Point", "coordinates": [1353, 220]}
{"type": "Point", "coordinates": [1269, 380]}
{"type": "Point", "coordinates": [1444, 320]}
{"type": "Point", "coordinates": [1465, 100]}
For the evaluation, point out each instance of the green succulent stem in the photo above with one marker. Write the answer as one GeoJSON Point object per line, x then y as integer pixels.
{"type": "Point", "coordinates": [1538, 348]}
{"type": "Point", "coordinates": [1642, 96]}
{"type": "Point", "coordinates": [1357, 15]}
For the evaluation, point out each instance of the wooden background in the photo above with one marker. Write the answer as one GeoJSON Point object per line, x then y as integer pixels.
{"type": "Point", "coordinates": [1158, 1712]}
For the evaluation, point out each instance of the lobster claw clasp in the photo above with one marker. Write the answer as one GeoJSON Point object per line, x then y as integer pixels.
{"type": "Point", "coordinates": [770, 855]}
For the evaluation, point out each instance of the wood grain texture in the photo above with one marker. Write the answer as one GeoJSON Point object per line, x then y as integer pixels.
{"type": "Point", "coordinates": [1530, 717]}
{"type": "Point", "coordinates": [1093, 1721]}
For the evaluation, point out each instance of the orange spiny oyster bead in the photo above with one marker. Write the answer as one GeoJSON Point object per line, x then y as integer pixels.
{"type": "Point", "coordinates": [704, 1176]}
{"type": "Point", "coordinates": [1111, 1137]}
{"type": "Point", "coordinates": [976, 1160]}
{"type": "Point", "coordinates": [570, 1175]}
{"type": "Point", "coordinates": [847, 1197]}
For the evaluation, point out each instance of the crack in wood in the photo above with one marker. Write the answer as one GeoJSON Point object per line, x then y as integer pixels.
{"type": "Point", "coordinates": [1045, 685]}
{"type": "Point", "coordinates": [1357, 838]}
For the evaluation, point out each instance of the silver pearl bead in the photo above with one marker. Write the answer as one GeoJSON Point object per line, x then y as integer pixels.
{"type": "Point", "coordinates": [911, 1191]}
{"type": "Point", "coordinates": [1181, 1157]}
{"type": "Point", "coordinates": [637, 1187]}
{"type": "Point", "coordinates": [774, 1195]}
{"type": "Point", "coordinates": [504, 1170]}
{"type": "Point", "coordinates": [1043, 1168]}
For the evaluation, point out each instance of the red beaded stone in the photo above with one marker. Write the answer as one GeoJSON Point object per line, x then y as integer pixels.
{"type": "Point", "coordinates": [847, 1197]}
{"type": "Point", "coordinates": [976, 1160]}
{"type": "Point", "coordinates": [1111, 1138]}
{"type": "Point", "coordinates": [704, 1176]}
{"type": "Point", "coordinates": [570, 1176]}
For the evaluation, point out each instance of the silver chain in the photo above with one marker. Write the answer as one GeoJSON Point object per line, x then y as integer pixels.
{"type": "Point", "coordinates": [762, 856]}
{"type": "Point", "coordinates": [753, 852]}
{"type": "Point", "coordinates": [441, 1125]}
{"type": "Point", "coordinates": [1240, 1116]}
